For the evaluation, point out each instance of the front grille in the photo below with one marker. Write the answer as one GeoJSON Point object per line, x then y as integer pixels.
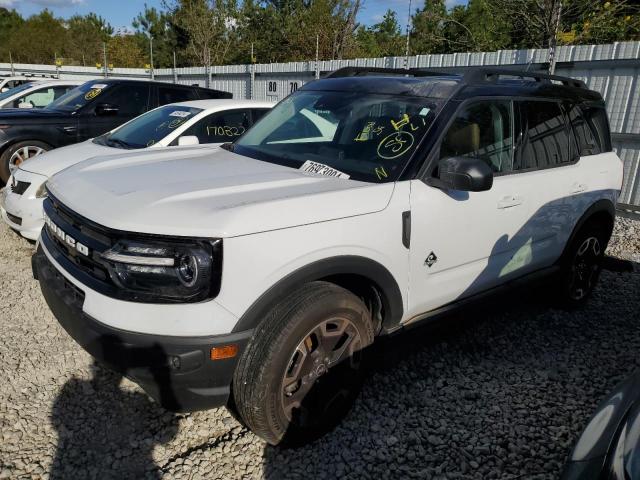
{"type": "Point", "coordinates": [15, 220]}
{"type": "Point", "coordinates": [19, 187]}
{"type": "Point", "coordinates": [95, 238]}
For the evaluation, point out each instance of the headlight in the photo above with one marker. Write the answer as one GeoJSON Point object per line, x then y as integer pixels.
{"type": "Point", "coordinates": [173, 271]}
{"type": "Point", "coordinates": [42, 191]}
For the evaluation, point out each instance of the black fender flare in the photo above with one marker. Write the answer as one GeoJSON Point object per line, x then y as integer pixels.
{"type": "Point", "coordinates": [601, 206]}
{"type": "Point", "coordinates": [373, 271]}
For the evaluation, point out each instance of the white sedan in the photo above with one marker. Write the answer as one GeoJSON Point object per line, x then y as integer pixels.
{"type": "Point", "coordinates": [37, 94]}
{"type": "Point", "coordinates": [207, 123]}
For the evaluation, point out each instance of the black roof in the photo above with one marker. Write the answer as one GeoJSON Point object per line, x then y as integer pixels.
{"type": "Point", "coordinates": [135, 80]}
{"type": "Point", "coordinates": [471, 82]}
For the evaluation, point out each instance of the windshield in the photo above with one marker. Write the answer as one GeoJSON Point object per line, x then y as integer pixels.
{"type": "Point", "coordinates": [149, 128]}
{"type": "Point", "coordinates": [344, 134]}
{"type": "Point", "coordinates": [77, 98]}
{"type": "Point", "coordinates": [12, 91]}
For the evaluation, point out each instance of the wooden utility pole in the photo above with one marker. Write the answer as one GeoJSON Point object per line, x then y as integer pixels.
{"type": "Point", "coordinates": [553, 39]}
{"type": "Point", "coordinates": [406, 51]}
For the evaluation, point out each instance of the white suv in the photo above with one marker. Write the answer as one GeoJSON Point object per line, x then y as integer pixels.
{"type": "Point", "coordinates": [257, 276]}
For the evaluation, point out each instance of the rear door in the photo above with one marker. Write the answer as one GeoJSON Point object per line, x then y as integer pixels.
{"type": "Point", "coordinates": [548, 160]}
{"type": "Point", "coordinates": [466, 242]}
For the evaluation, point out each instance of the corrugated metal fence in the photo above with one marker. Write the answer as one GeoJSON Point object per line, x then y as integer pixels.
{"type": "Point", "coordinates": [612, 69]}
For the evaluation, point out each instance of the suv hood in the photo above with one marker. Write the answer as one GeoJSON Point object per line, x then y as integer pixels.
{"type": "Point", "coordinates": [219, 194]}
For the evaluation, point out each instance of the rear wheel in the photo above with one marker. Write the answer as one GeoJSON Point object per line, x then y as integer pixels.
{"type": "Point", "coordinates": [17, 154]}
{"type": "Point", "coordinates": [582, 266]}
{"type": "Point", "coordinates": [304, 366]}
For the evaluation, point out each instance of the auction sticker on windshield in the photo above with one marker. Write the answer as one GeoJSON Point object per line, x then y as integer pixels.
{"type": "Point", "coordinates": [322, 169]}
{"type": "Point", "coordinates": [179, 113]}
{"type": "Point", "coordinates": [96, 90]}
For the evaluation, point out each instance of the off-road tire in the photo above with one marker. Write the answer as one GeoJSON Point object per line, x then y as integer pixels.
{"type": "Point", "coordinates": [585, 254]}
{"type": "Point", "coordinates": [258, 390]}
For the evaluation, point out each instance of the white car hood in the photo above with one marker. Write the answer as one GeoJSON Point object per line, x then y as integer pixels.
{"type": "Point", "coordinates": [213, 194]}
{"type": "Point", "coordinates": [52, 162]}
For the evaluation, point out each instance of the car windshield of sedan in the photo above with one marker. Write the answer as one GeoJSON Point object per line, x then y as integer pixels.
{"type": "Point", "coordinates": [363, 136]}
{"type": "Point", "coordinates": [77, 98]}
{"type": "Point", "coordinates": [149, 128]}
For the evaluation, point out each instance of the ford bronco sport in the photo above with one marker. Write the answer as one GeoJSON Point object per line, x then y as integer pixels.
{"type": "Point", "coordinates": [257, 276]}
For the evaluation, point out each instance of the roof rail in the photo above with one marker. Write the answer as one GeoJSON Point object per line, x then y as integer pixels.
{"type": "Point", "coordinates": [474, 75]}
{"type": "Point", "coordinates": [364, 71]}
{"type": "Point", "coordinates": [478, 75]}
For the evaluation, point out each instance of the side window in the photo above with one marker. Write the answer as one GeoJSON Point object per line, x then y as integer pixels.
{"type": "Point", "coordinates": [220, 127]}
{"type": "Point", "coordinates": [586, 139]}
{"type": "Point", "coordinates": [41, 98]}
{"type": "Point", "coordinates": [546, 136]}
{"type": "Point", "coordinates": [597, 119]}
{"type": "Point", "coordinates": [132, 100]}
{"type": "Point", "coordinates": [482, 130]}
{"type": "Point", "coordinates": [175, 94]}
{"type": "Point", "coordinates": [206, 93]}
{"type": "Point", "coordinates": [15, 83]}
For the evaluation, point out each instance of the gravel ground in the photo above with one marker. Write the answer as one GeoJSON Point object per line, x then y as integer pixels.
{"type": "Point", "coordinates": [499, 393]}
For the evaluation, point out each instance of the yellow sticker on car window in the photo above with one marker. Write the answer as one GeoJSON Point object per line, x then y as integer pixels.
{"type": "Point", "coordinates": [93, 93]}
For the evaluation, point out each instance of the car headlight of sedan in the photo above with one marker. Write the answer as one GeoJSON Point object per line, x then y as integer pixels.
{"type": "Point", "coordinates": [166, 271]}
{"type": "Point", "coordinates": [41, 192]}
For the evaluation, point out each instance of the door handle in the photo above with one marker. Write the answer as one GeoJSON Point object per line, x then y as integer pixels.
{"type": "Point", "coordinates": [578, 187]}
{"type": "Point", "coordinates": [508, 201]}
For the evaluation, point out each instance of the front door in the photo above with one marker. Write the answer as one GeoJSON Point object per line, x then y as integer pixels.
{"type": "Point", "coordinates": [129, 100]}
{"type": "Point", "coordinates": [466, 242]}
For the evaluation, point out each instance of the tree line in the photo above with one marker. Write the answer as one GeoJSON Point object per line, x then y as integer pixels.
{"type": "Point", "coordinates": [216, 32]}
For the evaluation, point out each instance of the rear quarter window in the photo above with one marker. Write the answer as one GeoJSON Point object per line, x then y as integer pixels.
{"type": "Point", "coordinates": [168, 95]}
{"type": "Point", "coordinates": [597, 119]}
{"type": "Point", "coordinates": [585, 136]}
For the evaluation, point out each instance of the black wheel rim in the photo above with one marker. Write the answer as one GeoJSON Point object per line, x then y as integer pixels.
{"type": "Point", "coordinates": [321, 373]}
{"type": "Point", "coordinates": [585, 268]}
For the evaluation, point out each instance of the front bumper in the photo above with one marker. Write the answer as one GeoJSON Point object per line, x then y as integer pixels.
{"type": "Point", "coordinates": [23, 212]}
{"type": "Point", "coordinates": [175, 371]}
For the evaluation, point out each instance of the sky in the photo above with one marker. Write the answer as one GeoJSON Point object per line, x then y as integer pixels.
{"type": "Point", "coordinates": [120, 13]}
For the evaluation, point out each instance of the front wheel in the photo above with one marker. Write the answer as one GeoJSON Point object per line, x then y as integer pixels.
{"type": "Point", "coordinates": [582, 266]}
{"type": "Point", "coordinates": [304, 366]}
{"type": "Point", "coordinates": [17, 154]}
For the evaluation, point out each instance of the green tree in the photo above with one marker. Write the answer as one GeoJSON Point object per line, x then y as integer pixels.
{"type": "Point", "coordinates": [10, 22]}
{"type": "Point", "coordinates": [428, 28]}
{"type": "Point", "coordinates": [85, 37]}
{"type": "Point", "coordinates": [51, 39]}
{"type": "Point", "coordinates": [606, 22]}
{"type": "Point", "coordinates": [157, 24]}
{"type": "Point", "coordinates": [210, 27]}
{"type": "Point", "coordinates": [384, 39]}
{"type": "Point", "coordinates": [124, 51]}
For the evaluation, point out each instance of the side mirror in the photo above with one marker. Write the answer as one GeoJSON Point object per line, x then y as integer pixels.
{"type": "Point", "coordinates": [25, 105]}
{"type": "Point", "coordinates": [466, 174]}
{"type": "Point", "coordinates": [188, 140]}
{"type": "Point", "coordinates": [4, 89]}
{"type": "Point", "coordinates": [106, 109]}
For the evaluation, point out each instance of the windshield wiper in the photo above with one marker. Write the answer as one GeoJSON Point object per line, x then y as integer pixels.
{"type": "Point", "coordinates": [117, 142]}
